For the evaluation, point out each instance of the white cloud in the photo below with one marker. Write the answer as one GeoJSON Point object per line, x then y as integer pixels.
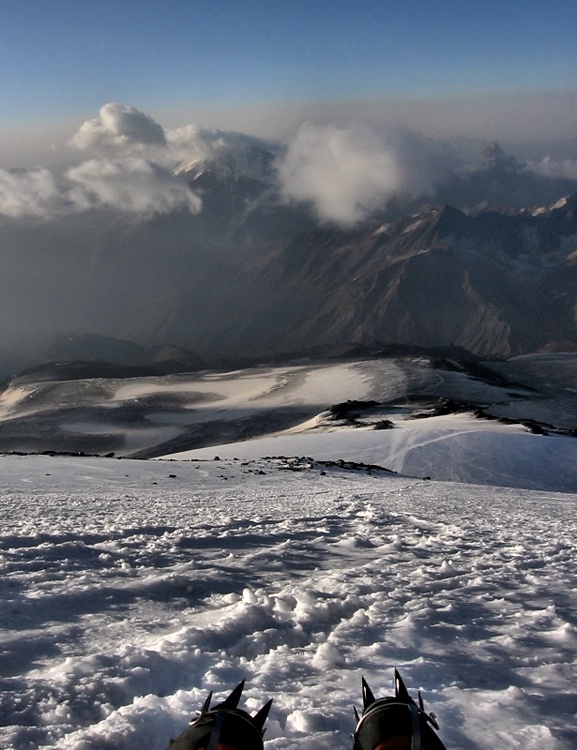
{"type": "Point", "coordinates": [191, 143]}
{"type": "Point", "coordinates": [130, 172]}
{"type": "Point", "coordinates": [28, 193]}
{"type": "Point", "coordinates": [132, 184]}
{"type": "Point", "coordinates": [123, 131]}
{"type": "Point", "coordinates": [118, 125]}
{"type": "Point", "coordinates": [348, 172]}
{"type": "Point", "coordinates": [566, 168]}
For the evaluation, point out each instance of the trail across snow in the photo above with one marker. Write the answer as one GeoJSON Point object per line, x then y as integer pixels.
{"type": "Point", "coordinates": [130, 589]}
{"type": "Point", "coordinates": [453, 448]}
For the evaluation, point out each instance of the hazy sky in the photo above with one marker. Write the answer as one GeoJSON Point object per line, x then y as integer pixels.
{"type": "Point", "coordinates": [61, 60]}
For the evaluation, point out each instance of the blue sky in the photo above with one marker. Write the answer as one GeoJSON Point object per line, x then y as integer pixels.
{"type": "Point", "coordinates": [180, 60]}
{"type": "Point", "coordinates": [63, 59]}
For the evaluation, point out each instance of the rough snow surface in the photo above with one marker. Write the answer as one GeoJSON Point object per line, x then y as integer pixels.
{"type": "Point", "coordinates": [130, 589]}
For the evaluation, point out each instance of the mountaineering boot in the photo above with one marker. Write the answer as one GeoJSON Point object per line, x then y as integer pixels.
{"type": "Point", "coordinates": [394, 723]}
{"type": "Point", "coordinates": [224, 727]}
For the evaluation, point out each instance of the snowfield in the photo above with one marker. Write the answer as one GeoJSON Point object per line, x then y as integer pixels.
{"type": "Point", "coordinates": [444, 545]}
{"type": "Point", "coordinates": [286, 410]}
{"type": "Point", "coordinates": [454, 448]}
{"type": "Point", "coordinates": [132, 588]}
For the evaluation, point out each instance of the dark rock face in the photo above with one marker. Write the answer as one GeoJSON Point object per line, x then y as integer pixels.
{"type": "Point", "coordinates": [491, 282]}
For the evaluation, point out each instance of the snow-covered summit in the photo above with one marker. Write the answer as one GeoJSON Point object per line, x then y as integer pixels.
{"type": "Point", "coordinates": [230, 157]}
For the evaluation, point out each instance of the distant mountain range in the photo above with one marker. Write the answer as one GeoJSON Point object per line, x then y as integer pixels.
{"type": "Point", "coordinates": [494, 273]}
{"type": "Point", "coordinates": [499, 180]}
{"type": "Point", "coordinates": [488, 264]}
{"type": "Point", "coordinates": [493, 282]}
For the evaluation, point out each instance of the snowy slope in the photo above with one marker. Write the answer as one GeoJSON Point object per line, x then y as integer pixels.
{"type": "Point", "coordinates": [289, 406]}
{"type": "Point", "coordinates": [448, 448]}
{"type": "Point", "coordinates": [134, 415]}
{"type": "Point", "coordinates": [132, 588]}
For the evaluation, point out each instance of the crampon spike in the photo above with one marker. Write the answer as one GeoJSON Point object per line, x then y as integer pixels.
{"type": "Point", "coordinates": [205, 705]}
{"type": "Point", "coordinates": [232, 700]}
{"type": "Point", "coordinates": [261, 716]}
{"type": "Point", "coordinates": [368, 696]}
{"type": "Point", "coordinates": [401, 692]}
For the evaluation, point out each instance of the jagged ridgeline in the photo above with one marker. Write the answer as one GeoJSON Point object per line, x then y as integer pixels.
{"type": "Point", "coordinates": [488, 264]}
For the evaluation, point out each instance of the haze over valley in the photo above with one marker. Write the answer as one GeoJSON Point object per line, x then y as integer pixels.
{"type": "Point", "coordinates": [229, 246]}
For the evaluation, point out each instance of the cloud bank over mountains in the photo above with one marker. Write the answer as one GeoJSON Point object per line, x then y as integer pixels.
{"type": "Point", "coordinates": [555, 168]}
{"type": "Point", "coordinates": [131, 184]}
{"type": "Point", "coordinates": [189, 236]}
{"type": "Point", "coordinates": [128, 172]}
{"type": "Point", "coordinates": [343, 172]}
{"type": "Point", "coordinates": [126, 161]}
{"type": "Point", "coordinates": [346, 173]}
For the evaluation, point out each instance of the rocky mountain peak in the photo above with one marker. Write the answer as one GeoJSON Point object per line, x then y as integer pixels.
{"type": "Point", "coordinates": [494, 159]}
